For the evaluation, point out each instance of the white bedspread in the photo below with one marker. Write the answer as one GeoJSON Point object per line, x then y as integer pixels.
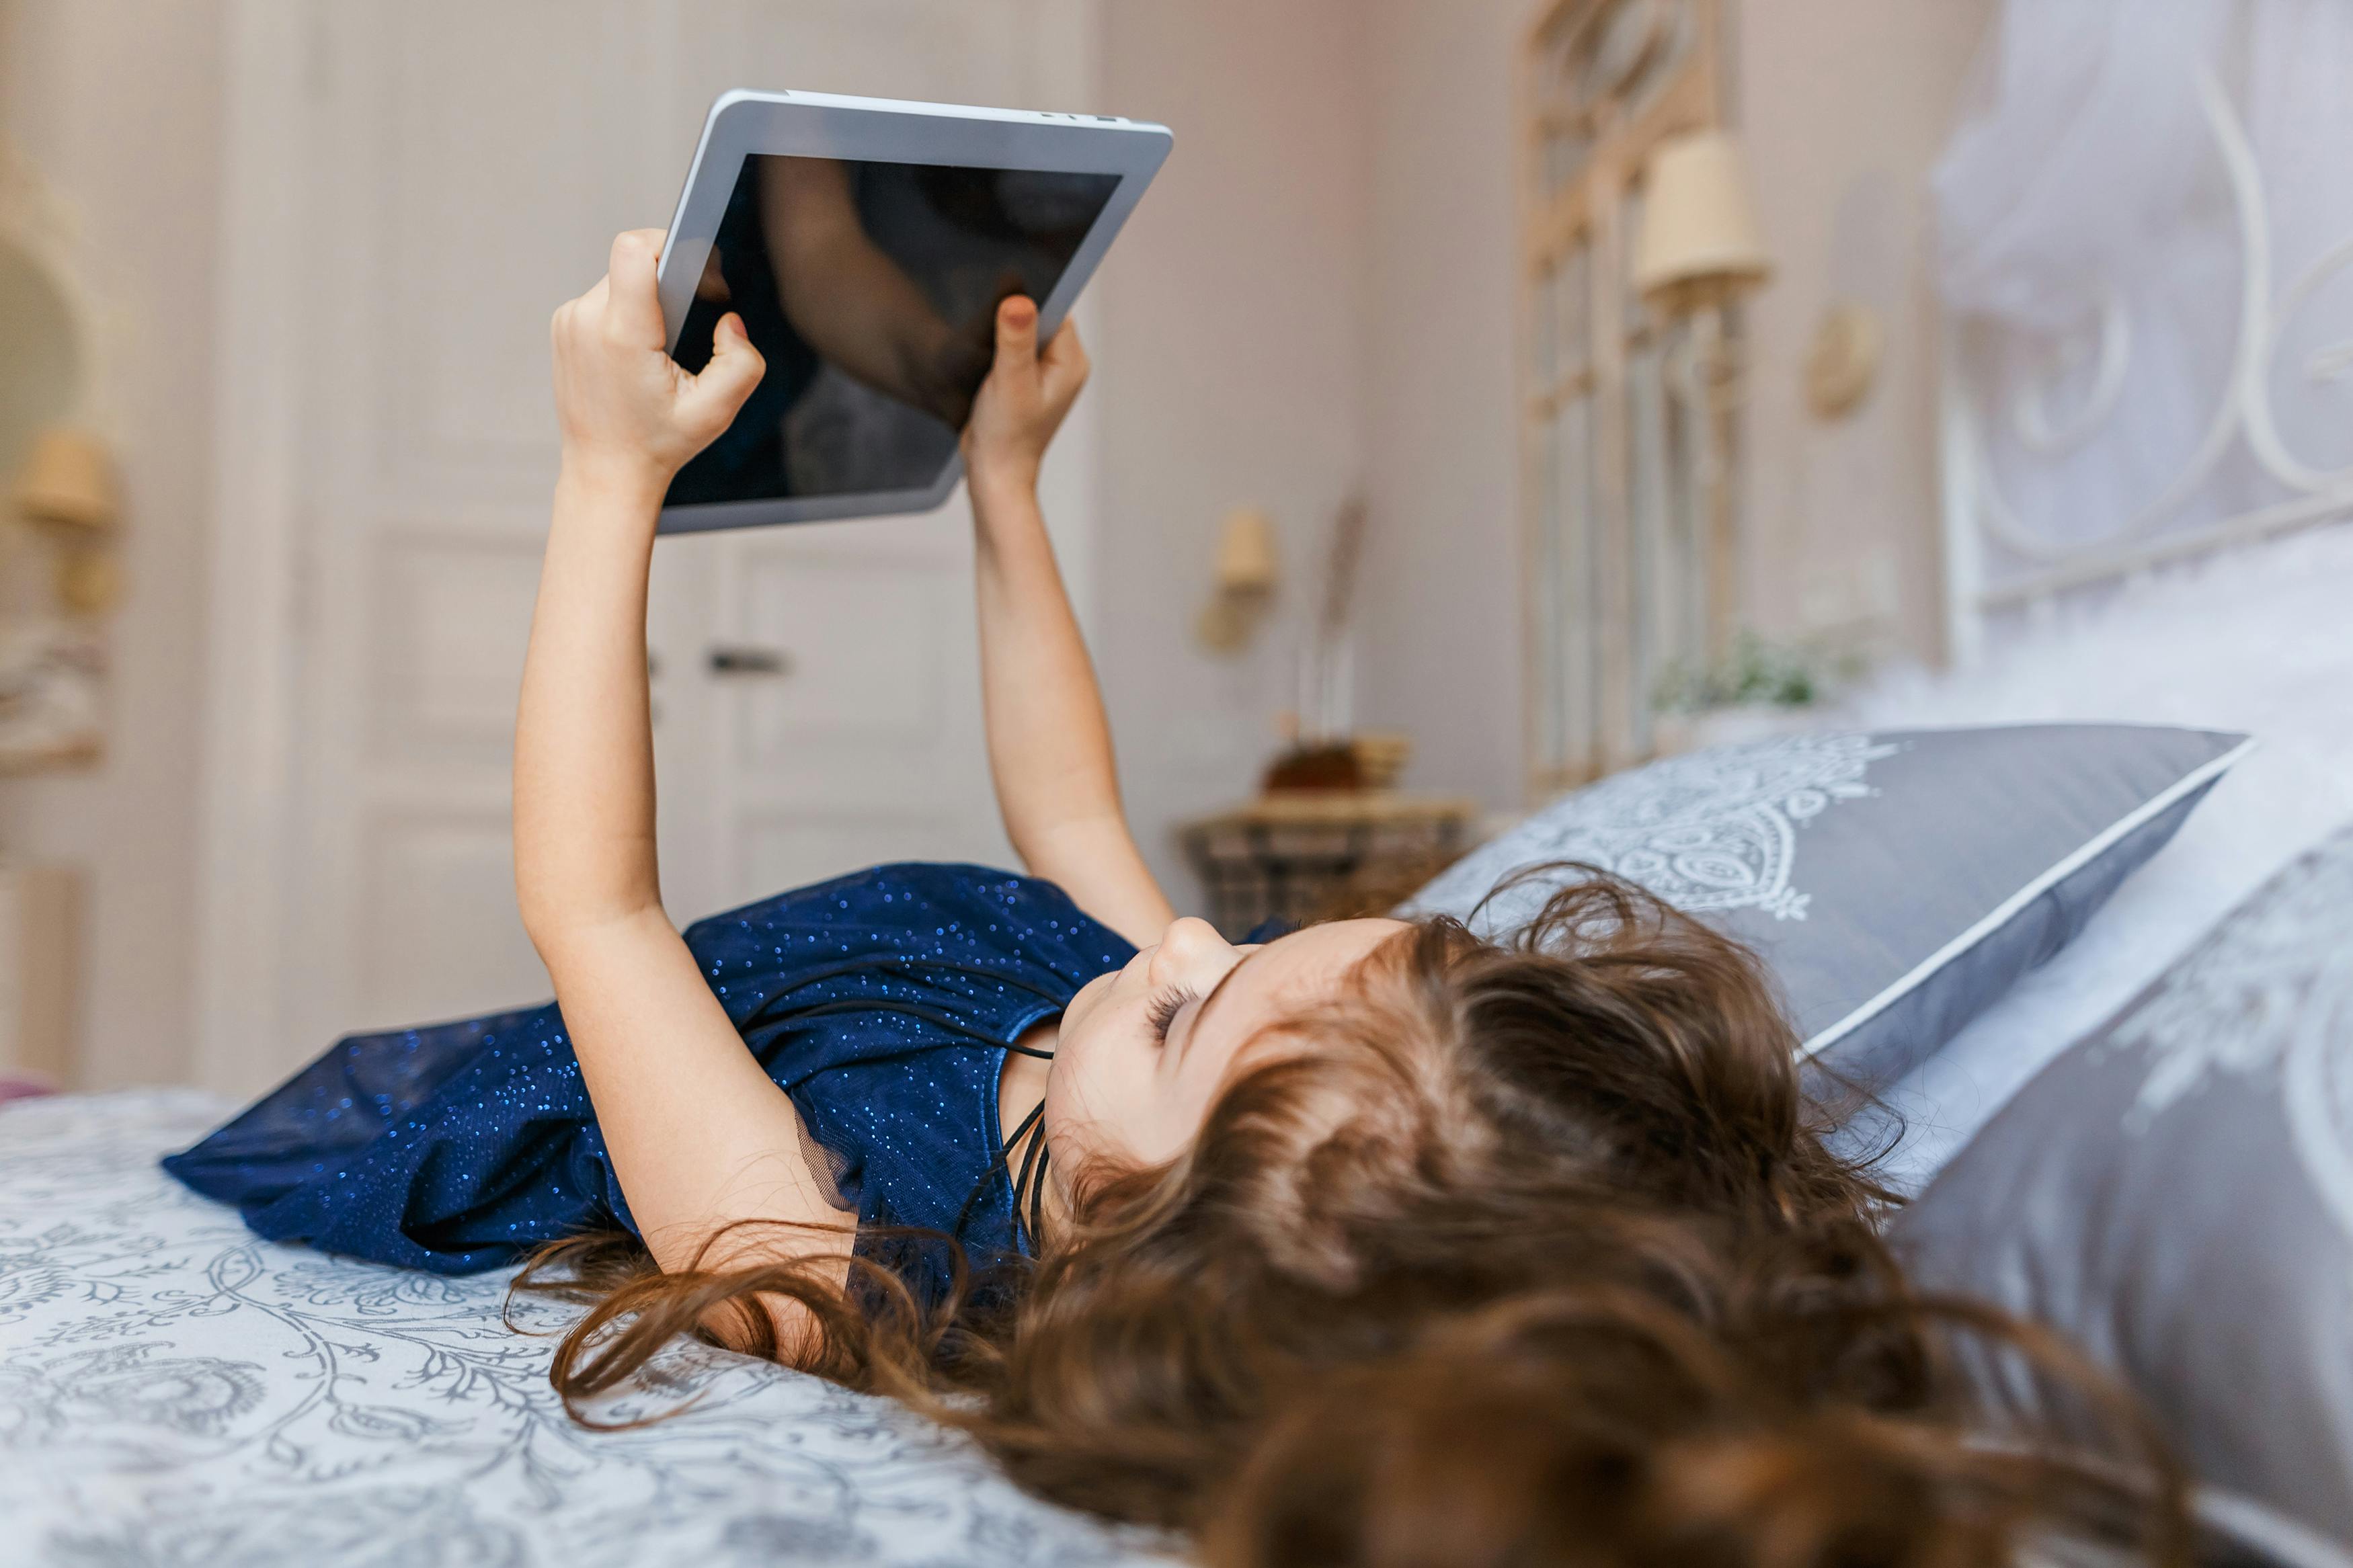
{"type": "Point", "coordinates": [2259, 641]}
{"type": "Point", "coordinates": [174, 1391]}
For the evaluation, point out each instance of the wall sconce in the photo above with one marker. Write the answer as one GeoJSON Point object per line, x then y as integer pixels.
{"type": "Point", "coordinates": [1843, 361]}
{"type": "Point", "coordinates": [67, 489]}
{"type": "Point", "coordinates": [1699, 248]}
{"type": "Point", "coordinates": [1698, 253]}
{"type": "Point", "coordinates": [1246, 576]}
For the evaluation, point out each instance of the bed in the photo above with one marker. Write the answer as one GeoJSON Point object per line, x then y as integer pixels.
{"type": "Point", "coordinates": [175, 1391]}
{"type": "Point", "coordinates": [2253, 641]}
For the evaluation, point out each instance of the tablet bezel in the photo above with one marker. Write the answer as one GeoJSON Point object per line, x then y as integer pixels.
{"type": "Point", "coordinates": [881, 129]}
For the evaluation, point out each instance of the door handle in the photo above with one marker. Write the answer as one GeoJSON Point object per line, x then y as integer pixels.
{"type": "Point", "coordinates": [737, 660]}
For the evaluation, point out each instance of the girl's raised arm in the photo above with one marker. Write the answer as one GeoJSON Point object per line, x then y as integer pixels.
{"type": "Point", "coordinates": [1048, 742]}
{"type": "Point", "coordinates": [698, 1133]}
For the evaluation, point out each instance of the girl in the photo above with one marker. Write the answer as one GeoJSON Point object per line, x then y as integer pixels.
{"type": "Point", "coordinates": [1040, 1158]}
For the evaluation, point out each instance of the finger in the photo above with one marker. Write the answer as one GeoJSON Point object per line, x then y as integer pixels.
{"type": "Point", "coordinates": [712, 284]}
{"type": "Point", "coordinates": [717, 393]}
{"type": "Point", "coordinates": [1065, 348]}
{"type": "Point", "coordinates": [1065, 363]}
{"type": "Point", "coordinates": [633, 311]}
{"type": "Point", "coordinates": [576, 315]}
{"type": "Point", "coordinates": [1016, 337]}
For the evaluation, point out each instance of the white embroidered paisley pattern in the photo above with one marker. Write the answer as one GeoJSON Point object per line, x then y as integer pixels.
{"type": "Point", "coordinates": [1716, 830]}
{"type": "Point", "coordinates": [175, 1391]}
{"type": "Point", "coordinates": [2270, 993]}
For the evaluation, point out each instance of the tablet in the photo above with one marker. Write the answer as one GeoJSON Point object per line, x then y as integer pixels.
{"type": "Point", "coordinates": [867, 244]}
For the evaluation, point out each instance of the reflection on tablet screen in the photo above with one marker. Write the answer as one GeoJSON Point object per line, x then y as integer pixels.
{"type": "Point", "coordinates": [872, 290]}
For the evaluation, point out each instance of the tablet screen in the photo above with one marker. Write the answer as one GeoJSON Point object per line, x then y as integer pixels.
{"type": "Point", "coordinates": [871, 290]}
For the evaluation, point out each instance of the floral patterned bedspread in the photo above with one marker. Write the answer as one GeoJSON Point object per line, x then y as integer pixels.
{"type": "Point", "coordinates": [175, 1391]}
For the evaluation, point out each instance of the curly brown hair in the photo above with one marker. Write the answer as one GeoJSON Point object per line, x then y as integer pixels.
{"type": "Point", "coordinates": [1532, 1253]}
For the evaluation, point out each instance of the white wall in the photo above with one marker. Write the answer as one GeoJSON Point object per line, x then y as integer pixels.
{"type": "Point", "coordinates": [1440, 656]}
{"type": "Point", "coordinates": [1317, 293]}
{"type": "Point", "coordinates": [1844, 105]}
{"type": "Point", "coordinates": [1234, 371]}
{"type": "Point", "coordinates": [117, 104]}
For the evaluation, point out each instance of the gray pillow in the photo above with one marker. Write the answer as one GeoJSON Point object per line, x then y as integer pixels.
{"type": "Point", "coordinates": [2176, 1193]}
{"type": "Point", "coordinates": [1896, 883]}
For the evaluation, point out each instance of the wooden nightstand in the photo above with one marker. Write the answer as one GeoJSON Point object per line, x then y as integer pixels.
{"type": "Point", "coordinates": [1303, 855]}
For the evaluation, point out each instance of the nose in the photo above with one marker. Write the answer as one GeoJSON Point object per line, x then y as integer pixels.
{"type": "Point", "coordinates": [1189, 947]}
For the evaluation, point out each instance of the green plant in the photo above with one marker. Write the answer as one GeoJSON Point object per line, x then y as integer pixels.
{"type": "Point", "coordinates": [1755, 672]}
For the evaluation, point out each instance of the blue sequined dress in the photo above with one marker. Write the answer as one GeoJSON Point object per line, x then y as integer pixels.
{"type": "Point", "coordinates": [882, 1002]}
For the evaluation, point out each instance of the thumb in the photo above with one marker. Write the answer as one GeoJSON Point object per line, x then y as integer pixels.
{"type": "Point", "coordinates": [1016, 337]}
{"type": "Point", "coordinates": [715, 394]}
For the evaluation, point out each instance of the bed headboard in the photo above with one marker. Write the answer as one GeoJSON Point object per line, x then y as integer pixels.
{"type": "Point", "coordinates": [2021, 414]}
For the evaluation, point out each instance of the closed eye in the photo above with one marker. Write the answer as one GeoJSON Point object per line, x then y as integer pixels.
{"type": "Point", "coordinates": [1165, 1008]}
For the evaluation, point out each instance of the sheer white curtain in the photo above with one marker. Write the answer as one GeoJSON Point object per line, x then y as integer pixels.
{"type": "Point", "coordinates": [2140, 223]}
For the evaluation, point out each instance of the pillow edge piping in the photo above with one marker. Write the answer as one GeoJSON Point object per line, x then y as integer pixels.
{"type": "Point", "coordinates": [2002, 914]}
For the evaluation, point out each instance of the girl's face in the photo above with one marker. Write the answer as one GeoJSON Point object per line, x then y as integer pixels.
{"type": "Point", "coordinates": [1144, 1051]}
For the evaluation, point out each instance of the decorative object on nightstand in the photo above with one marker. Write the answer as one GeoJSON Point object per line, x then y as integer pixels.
{"type": "Point", "coordinates": [1320, 751]}
{"type": "Point", "coordinates": [1303, 855]}
{"type": "Point", "coordinates": [1367, 760]}
{"type": "Point", "coordinates": [1329, 832]}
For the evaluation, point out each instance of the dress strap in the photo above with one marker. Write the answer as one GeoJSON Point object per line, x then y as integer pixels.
{"type": "Point", "coordinates": [1031, 1177]}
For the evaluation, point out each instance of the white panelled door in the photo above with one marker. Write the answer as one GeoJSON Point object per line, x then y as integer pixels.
{"type": "Point", "coordinates": [455, 170]}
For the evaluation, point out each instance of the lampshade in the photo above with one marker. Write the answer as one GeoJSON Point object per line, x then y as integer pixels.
{"type": "Point", "coordinates": [1699, 233]}
{"type": "Point", "coordinates": [68, 478]}
{"type": "Point", "coordinates": [1246, 560]}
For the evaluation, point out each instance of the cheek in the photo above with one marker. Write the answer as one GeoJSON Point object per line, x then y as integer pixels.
{"type": "Point", "coordinates": [1085, 1004]}
{"type": "Point", "coordinates": [1079, 1136]}
{"type": "Point", "coordinates": [1096, 1097]}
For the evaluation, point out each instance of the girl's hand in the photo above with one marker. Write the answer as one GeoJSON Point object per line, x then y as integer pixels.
{"type": "Point", "coordinates": [625, 408]}
{"type": "Point", "coordinates": [1022, 402]}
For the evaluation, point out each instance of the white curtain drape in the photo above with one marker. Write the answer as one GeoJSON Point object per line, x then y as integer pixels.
{"type": "Point", "coordinates": [2093, 211]}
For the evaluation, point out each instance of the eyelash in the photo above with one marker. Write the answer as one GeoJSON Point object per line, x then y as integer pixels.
{"type": "Point", "coordinates": [1165, 1010]}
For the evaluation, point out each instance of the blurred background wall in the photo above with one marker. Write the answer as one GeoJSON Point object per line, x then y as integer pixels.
{"type": "Point", "coordinates": [1844, 105]}
{"type": "Point", "coordinates": [117, 105]}
{"type": "Point", "coordinates": [1235, 368]}
{"type": "Point", "coordinates": [1317, 297]}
